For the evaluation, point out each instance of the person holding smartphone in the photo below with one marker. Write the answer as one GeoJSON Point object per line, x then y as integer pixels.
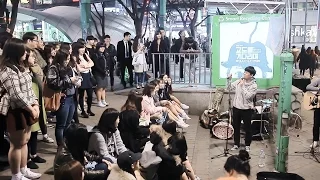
{"type": "Point", "coordinates": [245, 91]}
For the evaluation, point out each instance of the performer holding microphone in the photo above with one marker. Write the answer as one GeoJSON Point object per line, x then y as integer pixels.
{"type": "Point", "coordinates": [245, 90]}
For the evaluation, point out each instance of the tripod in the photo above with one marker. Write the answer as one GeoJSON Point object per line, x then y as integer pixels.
{"type": "Point", "coordinates": [226, 150]}
{"type": "Point", "coordinates": [312, 153]}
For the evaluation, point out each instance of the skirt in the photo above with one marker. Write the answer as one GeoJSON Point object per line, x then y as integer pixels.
{"type": "Point", "coordinates": [86, 82]}
{"type": "Point", "coordinates": [102, 82]}
{"type": "Point", "coordinates": [19, 119]}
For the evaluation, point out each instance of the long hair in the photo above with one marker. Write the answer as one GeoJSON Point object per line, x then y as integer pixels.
{"type": "Point", "coordinates": [75, 51]}
{"type": "Point", "coordinates": [76, 138]}
{"type": "Point", "coordinates": [130, 102]}
{"type": "Point", "coordinates": [238, 163]}
{"type": "Point", "coordinates": [47, 52]}
{"type": "Point", "coordinates": [135, 44]}
{"type": "Point", "coordinates": [107, 121]}
{"type": "Point", "coordinates": [71, 170]}
{"type": "Point", "coordinates": [13, 50]}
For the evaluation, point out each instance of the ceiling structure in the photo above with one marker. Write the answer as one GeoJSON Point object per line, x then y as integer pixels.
{"type": "Point", "coordinates": [245, 7]}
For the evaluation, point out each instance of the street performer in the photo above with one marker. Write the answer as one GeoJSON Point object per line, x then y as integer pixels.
{"type": "Point", "coordinates": [315, 86]}
{"type": "Point", "coordinates": [245, 90]}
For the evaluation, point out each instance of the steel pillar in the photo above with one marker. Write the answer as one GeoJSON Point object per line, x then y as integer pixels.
{"type": "Point", "coordinates": [163, 11]}
{"type": "Point", "coordinates": [85, 10]}
{"type": "Point", "coordinates": [285, 90]}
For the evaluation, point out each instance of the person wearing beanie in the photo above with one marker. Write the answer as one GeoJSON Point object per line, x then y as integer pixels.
{"type": "Point", "coordinates": [245, 91]}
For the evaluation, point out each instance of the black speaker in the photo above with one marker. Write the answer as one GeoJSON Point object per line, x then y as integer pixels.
{"type": "Point", "coordinates": [278, 176]}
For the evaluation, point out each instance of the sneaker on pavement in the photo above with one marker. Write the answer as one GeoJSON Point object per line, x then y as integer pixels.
{"type": "Point", "coordinates": [47, 139]}
{"type": "Point", "coordinates": [248, 148]}
{"type": "Point", "coordinates": [38, 159]}
{"type": "Point", "coordinates": [18, 176]}
{"type": "Point", "coordinates": [32, 165]}
{"type": "Point", "coordinates": [30, 175]}
{"type": "Point", "coordinates": [234, 148]}
{"type": "Point", "coordinates": [100, 104]}
{"type": "Point", "coordinates": [105, 103]}
{"type": "Point", "coordinates": [182, 124]}
{"type": "Point", "coordinates": [183, 106]}
{"type": "Point", "coordinates": [185, 116]}
{"type": "Point", "coordinates": [314, 144]}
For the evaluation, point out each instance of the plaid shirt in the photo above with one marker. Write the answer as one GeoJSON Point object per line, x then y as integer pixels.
{"type": "Point", "coordinates": [19, 93]}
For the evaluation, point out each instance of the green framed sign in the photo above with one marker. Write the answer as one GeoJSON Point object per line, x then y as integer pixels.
{"type": "Point", "coordinates": [245, 40]}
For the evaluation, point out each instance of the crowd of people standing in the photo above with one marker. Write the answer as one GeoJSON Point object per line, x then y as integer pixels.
{"type": "Point", "coordinates": [145, 129]}
{"type": "Point", "coordinates": [307, 59]}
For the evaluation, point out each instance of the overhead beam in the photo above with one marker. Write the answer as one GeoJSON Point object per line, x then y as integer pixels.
{"type": "Point", "coordinates": [243, 2]}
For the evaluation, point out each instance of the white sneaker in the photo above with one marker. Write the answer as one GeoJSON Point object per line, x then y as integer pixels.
{"type": "Point", "coordinates": [248, 148]}
{"type": "Point", "coordinates": [183, 106]}
{"type": "Point", "coordinates": [47, 139]}
{"type": "Point", "coordinates": [185, 116]}
{"type": "Point", "coordinates": [314, 144]}
{"type": "Point", "coordinates": [18, 176]}
{"type": "Point", "coordinates": [29, 174]}
{"type": "Point", "coordinates": [105, 103]}
{"type": "Point", "coordinates": [234, 148]}
{"type": "Point", "coordinates": [182, 124]}
{"type": "Point", "coordinates": [100, 104]}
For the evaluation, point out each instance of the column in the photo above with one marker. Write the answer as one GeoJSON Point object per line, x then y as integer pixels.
{"type": "Point", "coordinates": [85, 17]}
{"type": "Point", "coordinates": [284, 109]}
{"type": "Point", "coordinates": [163, 11]}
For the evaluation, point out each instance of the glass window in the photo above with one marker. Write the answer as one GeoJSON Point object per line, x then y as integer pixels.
{"type": "Point", "coordinates": [298, 33]}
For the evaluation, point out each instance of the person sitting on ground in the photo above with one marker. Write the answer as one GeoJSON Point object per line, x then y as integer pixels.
{"type": "Point", "coordinates": [169, 135]}
{"type": "Point", "coordinates": [171, 115]}
{"type": "Point", "coordinates": [72, 170]}
{"type": "Point", "coordinates": [148, 106]}
{"type": "Point", "coordinates": [168, 81]}
{"type": "Point", "coordinates": [237, 167]}
{"type": "Point", "coordinates": [105, 139]}
{"type": "Point", "coordinates": [76, 143]}
{"type": "Point", "coordinates": [171, 167]}
{"type": "Point", "coordinates": [127, 167]}
{"type": "Point", "coordinates": [134, 137]}
{"type": "Point", "coordinates": [165, 96]}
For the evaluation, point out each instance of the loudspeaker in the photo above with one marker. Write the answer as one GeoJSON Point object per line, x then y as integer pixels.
{"type": "Point", "coordinates": [278, 176]}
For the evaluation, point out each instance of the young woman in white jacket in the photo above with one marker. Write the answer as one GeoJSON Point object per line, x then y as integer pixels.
{"type": "Point", "coordinates": [139, 62]}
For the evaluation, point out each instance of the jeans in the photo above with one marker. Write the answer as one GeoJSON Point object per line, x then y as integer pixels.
{"type": "Point", "coordinates": [246, 116]}
{"type": "Point", "coordinates": [64, 116]}
{"type": "Point", "coordinates": [140, 78]}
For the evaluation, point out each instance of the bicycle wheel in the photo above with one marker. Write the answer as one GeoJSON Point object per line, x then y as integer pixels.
{"type": "Point", "coordinates": [294, 124]}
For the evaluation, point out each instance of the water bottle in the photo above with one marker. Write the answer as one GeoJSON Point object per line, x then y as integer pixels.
{"type": "Point", "coordinates": [262, 159]}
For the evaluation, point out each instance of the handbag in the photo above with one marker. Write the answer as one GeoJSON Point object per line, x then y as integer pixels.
{"type": "Point", "coordinates": [21, 115]}
{"type": "Point", "coordinates": [93, 79]}
{"type": "Point", "coordinates": [51, 98]}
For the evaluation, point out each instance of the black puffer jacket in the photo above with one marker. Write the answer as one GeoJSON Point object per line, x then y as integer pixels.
{"type": "Point", "coordinates": [63, 156]}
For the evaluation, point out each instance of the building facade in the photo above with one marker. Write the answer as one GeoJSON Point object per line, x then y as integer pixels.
{"type": "Point", "coordinates": [301, 34]}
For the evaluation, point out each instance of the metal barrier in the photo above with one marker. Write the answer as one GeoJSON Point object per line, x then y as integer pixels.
{"type": "Point", "coordinates": [183, 68]}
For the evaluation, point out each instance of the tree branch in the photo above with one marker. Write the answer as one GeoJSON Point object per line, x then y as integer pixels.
{"type": "Point", "coordinates": [126, 8]}
{"type": "Point", "coordinates": [95, 26]}
{"type": "Point", "coordinates": [202, 21]}
{"type": "Point", "coordinates": [145, 29]}
{"type": "Point", "coordinates": [95, 7]}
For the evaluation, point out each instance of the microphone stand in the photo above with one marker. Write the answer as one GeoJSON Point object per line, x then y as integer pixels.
{"type": "Point", "coordinates": [226, 150]}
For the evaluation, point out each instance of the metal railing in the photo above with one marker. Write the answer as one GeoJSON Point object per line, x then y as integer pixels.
{"type": "Point", "coordinates": [183, 68]}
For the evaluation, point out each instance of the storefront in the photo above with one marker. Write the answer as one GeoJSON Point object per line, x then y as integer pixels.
{"type": "Point", "coordinates": [44, 30]}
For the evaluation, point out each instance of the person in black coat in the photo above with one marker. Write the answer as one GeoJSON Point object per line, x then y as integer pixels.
{"type": "Point", "coordinates": [110, 53]}
{"type": "Point", "coordinates": [133, 136]}
{"type": "Point", "coordinates": [176, 49]}
{"type": "Point", "coordinates": [304, 60]}
{"type": "Point", "coordinates": [124, 57]}
{"type": "Point", "coordinates": [100, 71]}
{"type": "Point", "coordinates": [159, 46]}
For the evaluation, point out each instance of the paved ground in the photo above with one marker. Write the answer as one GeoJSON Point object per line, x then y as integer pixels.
{"type": "Point", "coordinates": [202, 148]}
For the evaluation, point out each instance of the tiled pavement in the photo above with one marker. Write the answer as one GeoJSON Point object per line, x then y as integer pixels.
{"type": "Point", "coordinates": [202, 148]}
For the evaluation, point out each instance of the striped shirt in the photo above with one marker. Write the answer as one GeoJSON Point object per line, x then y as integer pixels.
{"type": "Point", "coordinates": [18, 87]}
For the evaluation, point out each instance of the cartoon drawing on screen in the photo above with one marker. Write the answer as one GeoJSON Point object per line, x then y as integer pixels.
{"type": "Point", "coordinates": [243, 54]}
